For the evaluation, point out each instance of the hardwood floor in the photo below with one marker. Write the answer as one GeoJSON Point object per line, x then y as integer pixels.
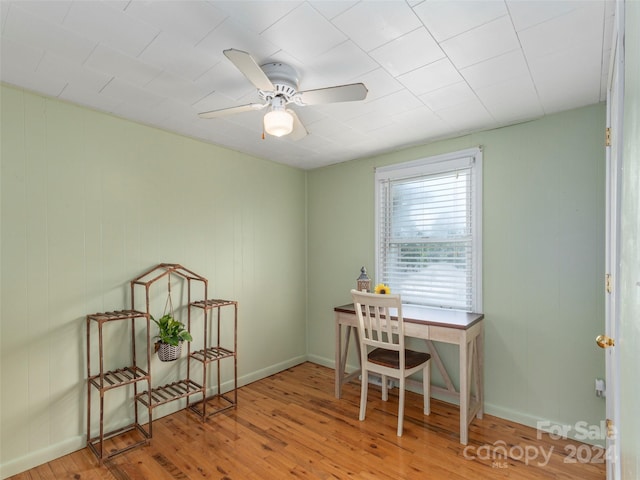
{"type": "Point", "coordinates": [290, 425]}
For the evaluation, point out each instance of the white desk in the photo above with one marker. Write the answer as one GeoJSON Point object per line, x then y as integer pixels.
{"type": "Point", "coordinates": [430, 324]}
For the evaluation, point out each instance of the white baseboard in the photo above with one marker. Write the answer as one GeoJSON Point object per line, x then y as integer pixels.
{"type": "Point", "coordinates": [574, 432]}
{"type": "Point", "coordinates": [322, 361]}
{"type": "Point", "coordinates": [270, 370]}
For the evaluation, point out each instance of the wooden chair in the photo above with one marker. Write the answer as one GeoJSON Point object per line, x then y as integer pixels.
{"type": "Point", "coordinates": [382, 349]}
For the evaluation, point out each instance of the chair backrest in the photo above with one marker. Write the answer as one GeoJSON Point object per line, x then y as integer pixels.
{"type": "Point", "coordinates": [380, 322]}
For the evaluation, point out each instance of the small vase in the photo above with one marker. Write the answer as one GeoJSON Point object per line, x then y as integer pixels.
{"type": "Point", "coordinates": [169, 353]}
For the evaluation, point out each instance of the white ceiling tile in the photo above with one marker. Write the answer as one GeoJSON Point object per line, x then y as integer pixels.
{"type": "Point", "coordinates": [177, 88]}
{"type": "Point", "coordinates": [335, 130]}
{"type": "Point", "coordinates": [610, 8]}
{"type": "Point", "coordinates": [214, 101]}
{"type": "Point", "coordinates": [372, 24]}
{"type": "Point", "coordinates": [566, 79]}
{"type": "Point", "coordinates": [4, 11]}
{"type": "Point", "coordinates": [380, 83]}
{"type": "Point", "coordinates": [255, 14]}
{"type": "Point", "coordinates": [527, 13]}
{"type": "Point", "coordinates": [420, 121]}
{"type": "Point", "coordinates": [23, 27]}
{"type": "Point", "coordinates": [168, 52]}
{"type": "Point", "coordinates": [18, 76]}
{"type": "Point", "coordinates": [83, 96]}
{"type": "Point", "coordinates": [304, 33]}
{"type": "Point", "coordinates": [431, 77]}
{"type": "Point", "coordinates": [380, 141]}
{"type": "Point", "coordinates": [308, 115]}
{"type": "Point", "coordinates": [225, 79]}
{"type": "Point", "coordinates": [495, 70]}
{"type": "Point", "coordinates": [571, 30]}
{"type": "Point", "coordinates": [511, 100]}
{"type": "Point", "coordinates": [73, 73]}
{"type": "Point", "coordinates": [375, 144]}
{"type": "Point", "coordinates": [18, 56]}
{"type": "Point", "coordinates": [101, 22]}
{"type": "Point", "coordinates": [467, 116]}
{"type": "Point", "coordinates": [119, 4]}
{"type": "Point", "coordinates": [417, 133]}
{"type": "Point", "coordinates": [65, 49]}
{"type": "Point", "coordinates": [446, 19]}
{"type": "Point", "coordinates": [342, 111]}
{"type": "Point", "coordinates": [409, 52]}
{"type": "Point", "coordinates": [89, 98]}
{"type": "Point", "coordinates": [315, 141]}
{"type": "Point", "coordinates": [395, 103]}
{"type": "Point", "coordinates": [190, 21]}
{"type": "Point", "coordinates": [448, 96]}
{"type": "Point", "coordinates": [52, 11]}
{"type": "Point", "coordinates": [346, 63]}
{"type": "Point", "coordinates": [129, 69]}
{"type": "Point", "coordinates": [368, 123]}
{"type": "Point", "coordinates": [391, 104]}
{"type": "Point", "coordinates": [130, 94]}
{"type": "Point", "coordinates": [332, 8]}
{"type": "Point", "coordinates": [18, 64]}
{"type": "Point", "coordinates": [481, 43]}
{"type": "Point", "coordinates": [231, 34]}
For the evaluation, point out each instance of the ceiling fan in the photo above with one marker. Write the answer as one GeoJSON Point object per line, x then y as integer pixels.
{"type": "Point", "coordinates": [277, 85]}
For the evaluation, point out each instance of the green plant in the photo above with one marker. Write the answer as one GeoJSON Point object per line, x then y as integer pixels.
{"type": "Point", "coordinates": [171, 331]}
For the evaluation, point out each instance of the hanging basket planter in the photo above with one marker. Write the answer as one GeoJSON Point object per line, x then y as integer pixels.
{"type": "Point", "coordinates": [168, 353]}
{"type": "Point", "coordinates": [171, 335]}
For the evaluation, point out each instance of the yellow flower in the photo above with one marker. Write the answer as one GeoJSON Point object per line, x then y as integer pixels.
{"type": "Point", "coordinates": [382, 289]}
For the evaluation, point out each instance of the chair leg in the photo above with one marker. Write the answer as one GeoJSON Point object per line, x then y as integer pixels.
{"type": "Point", "coordinates": [363, 393]}
{"type": "Point", "coordinates": [385, 388]}
{"type": "Point", "coordinates": [401, 405]}
{"type": "Point", "coordinates": [426, 387]}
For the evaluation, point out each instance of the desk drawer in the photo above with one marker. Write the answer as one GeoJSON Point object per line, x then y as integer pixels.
{"type": "Point", "coordinates": [446, 335]}
{"type": "Point", "coordinates": [417, 330]}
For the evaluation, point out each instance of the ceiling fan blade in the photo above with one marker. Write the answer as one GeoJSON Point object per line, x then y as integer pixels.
{"type": "Point", "coordinates": [342, 93]}
{"type": "Point", "coordinates": [299, 131]}
{"type": "Point", "coordinates": [232, 110]}
{"type": "Point", "coordinates": [250, 69]}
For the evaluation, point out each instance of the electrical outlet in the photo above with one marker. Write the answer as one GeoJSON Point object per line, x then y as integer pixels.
{"type": "Point", "coordinates": [601, 389]}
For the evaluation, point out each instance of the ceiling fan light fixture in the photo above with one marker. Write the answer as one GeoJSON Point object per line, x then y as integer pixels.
{"type": "Point", "coordinates": [278, 122]}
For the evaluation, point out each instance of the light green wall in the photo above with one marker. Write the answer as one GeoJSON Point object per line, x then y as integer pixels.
{"type": "Point", "coordinates": [89, 202]}
{"type": "Point", "coordinates": [629, 335]}
{"type": "Point", "coordinates": [543, 260]}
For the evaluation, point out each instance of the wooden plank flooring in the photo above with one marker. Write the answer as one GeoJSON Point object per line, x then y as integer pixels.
{"type": "Point", "coordinates": [290, 425]}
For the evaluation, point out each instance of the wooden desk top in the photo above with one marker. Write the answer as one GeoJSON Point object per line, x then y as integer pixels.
{"type": "Point", "coordinates": [430, 316]}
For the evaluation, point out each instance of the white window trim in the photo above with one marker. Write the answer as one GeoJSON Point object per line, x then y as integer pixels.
{"type": "Point", "coordinates": [434, 164]}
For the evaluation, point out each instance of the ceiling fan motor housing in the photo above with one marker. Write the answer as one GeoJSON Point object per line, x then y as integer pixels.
{"type": "Point", "coordinates": [284, 79]}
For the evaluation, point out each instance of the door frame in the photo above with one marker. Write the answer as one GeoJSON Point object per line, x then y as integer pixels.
{"type": "Point", "coordinates": [614, 120]}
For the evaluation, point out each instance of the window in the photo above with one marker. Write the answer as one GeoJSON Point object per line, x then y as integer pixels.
{"type": "Point", "coordinates": [429, 230]}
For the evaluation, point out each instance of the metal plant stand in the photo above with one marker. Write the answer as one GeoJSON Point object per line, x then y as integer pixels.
{"type": "Point", "coordinates": [148, 396]}
{"type": "Point", "coordinates": [104, 381]}
{"type": "Point", "coordinates": [215, 351]}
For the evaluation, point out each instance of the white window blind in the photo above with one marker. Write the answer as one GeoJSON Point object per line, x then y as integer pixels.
{"type": "Point", "coordinates": [428, 231]}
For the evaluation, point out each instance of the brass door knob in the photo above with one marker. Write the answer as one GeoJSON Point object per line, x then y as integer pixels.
{"type": "Point", "coordinates": [604, 342]}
